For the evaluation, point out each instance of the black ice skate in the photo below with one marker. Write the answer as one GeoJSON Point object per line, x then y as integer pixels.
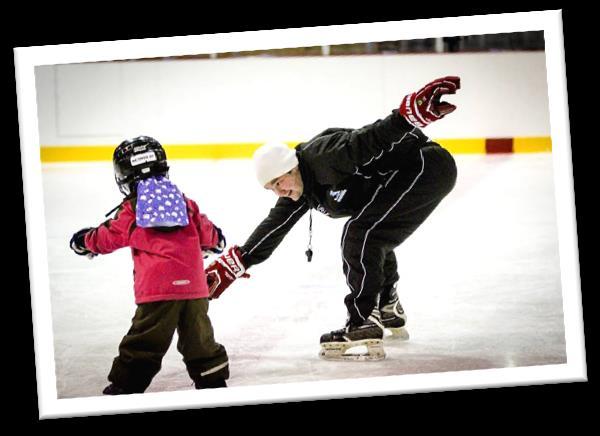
{"type": "Point", "coordinates": [341, 344]}
{"type": "Point", "coordinates": [113, 389]}
{"type": "Point", "coordinates": [393, 318]}
{"type": "Point", "coordinates": [210, 384]}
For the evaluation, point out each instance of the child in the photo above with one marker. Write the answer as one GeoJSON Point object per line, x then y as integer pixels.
{"type": "Point", "coordinates": [168, 237]}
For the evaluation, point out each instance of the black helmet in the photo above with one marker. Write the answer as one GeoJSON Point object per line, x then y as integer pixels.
{"type": "Point", "coordinates": [136, 159]}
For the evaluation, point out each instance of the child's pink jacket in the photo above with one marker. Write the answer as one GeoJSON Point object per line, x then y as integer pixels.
{"type": "Point", "coordinates": [166, 265]}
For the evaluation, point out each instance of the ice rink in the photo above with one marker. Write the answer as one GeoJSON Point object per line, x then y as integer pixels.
{"type": "Point", "coordinates": [480, 280]}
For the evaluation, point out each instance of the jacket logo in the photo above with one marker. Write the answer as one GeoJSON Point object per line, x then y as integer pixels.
{"type": "Point", "coordinates": [338, 195]}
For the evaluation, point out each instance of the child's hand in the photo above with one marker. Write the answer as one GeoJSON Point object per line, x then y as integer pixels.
{"type": "Point", "coordinates": [77, 243]}
{"type": "Point", "coordinates": [217, 249]}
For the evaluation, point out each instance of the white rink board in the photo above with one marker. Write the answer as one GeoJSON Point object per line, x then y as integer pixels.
{"type": "Point", "coordinates": [198, 101]}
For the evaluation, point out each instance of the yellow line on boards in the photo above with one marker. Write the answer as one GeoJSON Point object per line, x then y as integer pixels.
{"type": "Point", "coordinates": [471, 145]}
{"type": "Point", "coordinates": [78, 153]}
{"type": "Point", "coordinates": [75, 153]}
{"type": "Point", "coordinates": [532, 144]}
{"type": "Point", "coordinates": [82, 153]}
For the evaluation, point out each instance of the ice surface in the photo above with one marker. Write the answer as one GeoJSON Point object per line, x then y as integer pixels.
{"type": "Point", "coordinates": [480, 280]}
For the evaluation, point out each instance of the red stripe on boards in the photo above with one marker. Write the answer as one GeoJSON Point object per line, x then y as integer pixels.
{"type": "Point", "coordinates": [499, 145]}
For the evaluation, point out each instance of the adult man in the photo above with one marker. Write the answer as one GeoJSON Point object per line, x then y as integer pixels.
{"type": "Point", "coordinates": [387, 177]}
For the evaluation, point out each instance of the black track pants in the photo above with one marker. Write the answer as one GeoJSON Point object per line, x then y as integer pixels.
{"type": "Point", "coordinates": [390, 277]}
{"type": "Point", "coordinates": [398, 207]}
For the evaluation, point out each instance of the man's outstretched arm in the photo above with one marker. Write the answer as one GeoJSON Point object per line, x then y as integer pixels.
{"type": "Point", "coordinates": [234, 263]}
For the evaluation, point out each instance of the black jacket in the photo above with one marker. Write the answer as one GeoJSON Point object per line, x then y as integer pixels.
{"type": "Point", "coordinates": [340, 169]}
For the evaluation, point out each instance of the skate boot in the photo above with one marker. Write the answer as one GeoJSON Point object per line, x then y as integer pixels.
{"type": "Point", "coordinates": [113, 389]}
{"type": "Point", "coordinates": [210, 384]}
{"type": "Point", "coordinates": [393, 317]}
{"type": "Point", "coordinates": [342, 344]}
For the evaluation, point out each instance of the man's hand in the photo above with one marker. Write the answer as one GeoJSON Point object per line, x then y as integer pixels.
{"type": "Point", "coordinates": [424, 106]}
{"type": "Point", "coordinates": [77, 243]}
{"type": "Point", "coordinates": [221, 273]}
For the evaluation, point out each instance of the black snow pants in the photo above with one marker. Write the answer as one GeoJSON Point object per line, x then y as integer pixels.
{"type": "Point", "coordinates": [400, 204]}
{"type": "Point", "coordinates": [141, 351]}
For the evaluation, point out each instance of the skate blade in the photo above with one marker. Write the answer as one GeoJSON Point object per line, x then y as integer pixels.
{"type": "Point", "coordinates": [397, 333]}
{"type": "Point", "coordinates": [342, 351]}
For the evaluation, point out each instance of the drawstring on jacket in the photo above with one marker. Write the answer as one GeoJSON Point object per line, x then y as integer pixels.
{"type": "Point", "coordinates": [309, 252]}
{"type": "Point", "coordinates": [115, 208]}
{"type": "Point", "coordinates": [129, 197]}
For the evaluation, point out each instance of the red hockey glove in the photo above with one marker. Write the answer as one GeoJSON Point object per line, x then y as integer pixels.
{"type": "Point", "coordinates": [221, 273]}
{"type": "Point", "coordinates": [424, 106]}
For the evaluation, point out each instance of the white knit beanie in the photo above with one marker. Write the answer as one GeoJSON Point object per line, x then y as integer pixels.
{"type": "Point", "coordinates": [272, 160]}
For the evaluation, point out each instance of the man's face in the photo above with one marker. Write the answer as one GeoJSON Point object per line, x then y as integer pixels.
{"type": "Point", "coordinates": [288, 185]}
